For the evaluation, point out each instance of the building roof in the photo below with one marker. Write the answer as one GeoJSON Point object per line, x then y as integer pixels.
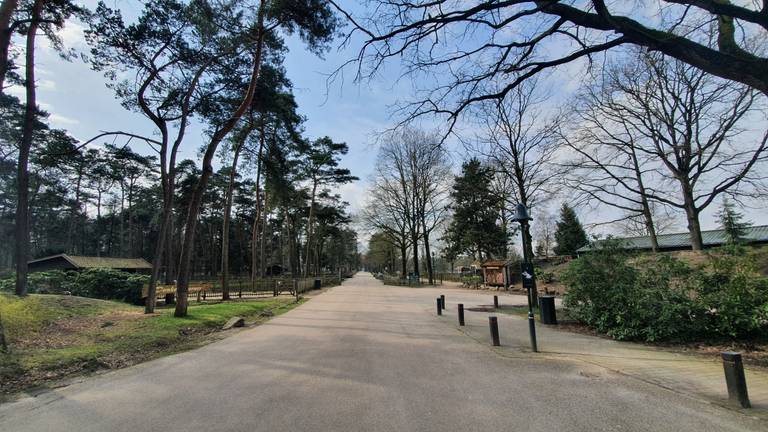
{"type": "Point", "coordinates": [496, 263]}
{"type": "Point", "coordinates": [79, 261]}
{"type": "Point", "coordinates": [754, 234]}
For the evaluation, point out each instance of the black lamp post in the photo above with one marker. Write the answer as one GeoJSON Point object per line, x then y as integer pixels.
{"type": "Point", "coordinates": [529, 280]}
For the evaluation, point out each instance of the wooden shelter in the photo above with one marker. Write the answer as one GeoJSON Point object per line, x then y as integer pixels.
{"type": "Point", "coordinates": [498, 273]}
{"type": "Point", "coordinates": [77, 262]}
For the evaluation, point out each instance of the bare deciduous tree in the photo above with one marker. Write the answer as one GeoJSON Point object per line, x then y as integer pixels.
{"type": "Point", "coordinates": [463, 53]}
{"type": "Point", "coordinates": [411, 183]}
{"type": "Point", "coordinates": [519, 140]}
{"type": "Point", "coordinates": [662, 130]}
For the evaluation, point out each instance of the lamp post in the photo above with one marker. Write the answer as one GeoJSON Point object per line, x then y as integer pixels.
{"type": "Point", "coordinates": [529, 280]}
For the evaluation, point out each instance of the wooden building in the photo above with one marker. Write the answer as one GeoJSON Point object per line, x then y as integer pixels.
{"type": "Point", "coordinates": [76, 262]}
{"type": "Point", "coordinates": [498, 273]}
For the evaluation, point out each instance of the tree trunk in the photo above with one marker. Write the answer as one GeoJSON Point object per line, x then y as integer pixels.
{"type": "Point", "coordinates": [646, 208]}
{"type": "Point", "coordinates": [225, 224]}
{"type": "Point", "coordinates": [309, 226]}
{"type": "Point", "coordinates": [257, 217]}
{"type": "Point", "coordinates": [403, 259]}
{"type": "Point", "coordinates": [692, 215]}
{"type": "Point", "coordinates": [427, 253]}
{"type": "Point", "coordinates": [263, 236]}
{"type": "Point", "coordinates": [28, 129]}
{"type": "Point", "coordinates": [185, 260]}
{"type": "Point", "coordinates": [7, 8]}
{"type": "Point", "coordinates": [415, 245]}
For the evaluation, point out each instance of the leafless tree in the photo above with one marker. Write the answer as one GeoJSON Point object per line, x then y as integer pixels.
{"type": "Point", "coordinates": [469, 52]}
{"type": "Point", "coordinates": [546, 225]}
{"type": "Point", "coordinates": [412, 177]}
{"type": "Point", "coordinates": [662, 130]}
{"type": "Point", "coordinates": [384, 213]}
{"type": "Point", "coordinates": [519, 140]}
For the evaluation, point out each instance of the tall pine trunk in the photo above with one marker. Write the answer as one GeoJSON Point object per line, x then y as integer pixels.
{"type": "Point", "coordinates": [263, 235]}
{"type": "Point", "coordinates": [310, 220]}
{"type": "Point", "coordinates": [185, 260]}
{"type": "Point", "coordinates": [257, 216]}
{"type": "Point", "coordinates": [25, 146]}
{"type": "Point", "coordinates": [225, 224]}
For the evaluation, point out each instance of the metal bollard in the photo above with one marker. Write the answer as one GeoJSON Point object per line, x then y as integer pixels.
{"type": "Point", "coordinates": [494, 324]}
{"type": "Point", "coordinates": [496, 302]}
{"type": "Point", "coordinates": [442, 301]}
{"type": "Point", "coordinates": [734, 378]}
{"type": "Point", "coordinates": [439, 307]}
{"type": "Point", "coordinates": [461, 314]}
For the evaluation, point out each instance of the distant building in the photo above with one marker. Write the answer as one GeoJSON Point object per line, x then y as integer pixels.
{"type": "Point", "coordinates": [499, 272]}
{"type": "Point", "coordinates": [76, 262]}
{"type": "Point", "coordinates": [682, 241]}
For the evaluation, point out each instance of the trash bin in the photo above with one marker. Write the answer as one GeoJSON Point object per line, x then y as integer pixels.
{"type": "Point", "coordinates": [318, 283]}
{"type": "Point", "coordinates": [547, 309]}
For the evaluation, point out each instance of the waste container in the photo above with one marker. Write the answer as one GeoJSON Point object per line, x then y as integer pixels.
{"type": "Point", "coordinates": [547, 309]}
{"type": "Point", "coordinates": [318, 283]}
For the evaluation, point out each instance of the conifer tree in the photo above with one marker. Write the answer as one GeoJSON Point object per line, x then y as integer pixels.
{"type": "Point", "coordinates": [570, 235]}
{"type": "Point", "coordinates": [732, 222]}
{"type": "Point", "coordinates": [474, 229]}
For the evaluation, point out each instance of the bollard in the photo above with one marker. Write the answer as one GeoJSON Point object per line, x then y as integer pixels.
{"type": "Point", "coordinates": [442, 301]}
{"type": "Point", "coordinates": [734, 378]}
{"type": "Point", "coordinates": [439, 307]}
{"type": "Point", "coordinates": [494, 324]}
{"type": "Point", "coordinates": [496, 302]}
{"type": "Point", "coordinates": [461, 314]}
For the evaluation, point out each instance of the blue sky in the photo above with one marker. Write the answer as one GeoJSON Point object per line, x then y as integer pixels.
{"type": "Point", "coordinates": [80, 102]}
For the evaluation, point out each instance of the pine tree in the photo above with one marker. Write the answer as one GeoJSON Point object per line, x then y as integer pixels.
{"type": "Point", "coordinates": [732, 222]}
{"type": "Point", "coordinates": [474, 227]}
{"type": "Point", "coordinates": [570, 234]}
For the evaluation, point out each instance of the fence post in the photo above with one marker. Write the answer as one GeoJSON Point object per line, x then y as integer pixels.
{"type": "Point", "coordinates": [461, 314]}
{"type": "Point", "coordinates": [734, 378]}
{"type": "Point", "coordinates": [493, 323]}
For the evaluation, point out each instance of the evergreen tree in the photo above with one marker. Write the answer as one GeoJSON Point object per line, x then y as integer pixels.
{"type": "Point", "coordinates": [731, 221]}
{"type": "Point", "coordinates": [474, 229]}
{"type": "Point", "coordinates": [569, 235]}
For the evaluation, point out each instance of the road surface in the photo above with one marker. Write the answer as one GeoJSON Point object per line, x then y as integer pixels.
{"type": "Point", "coordinates": [363, 357]}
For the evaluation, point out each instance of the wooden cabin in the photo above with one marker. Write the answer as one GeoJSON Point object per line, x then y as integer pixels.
{"type": "Point", "coordinates": [76, 262]}
{"type": "Point", "coordinates": [499, 273]}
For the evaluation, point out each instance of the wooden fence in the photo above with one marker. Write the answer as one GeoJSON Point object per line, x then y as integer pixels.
{"type": "Point", "coordinates": [245, 288]}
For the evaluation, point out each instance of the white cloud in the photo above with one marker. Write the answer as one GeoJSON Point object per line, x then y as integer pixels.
{"type": "Point", "coordinates": [62, 121]}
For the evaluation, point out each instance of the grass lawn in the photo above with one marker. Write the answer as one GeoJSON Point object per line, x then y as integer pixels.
{"type": "Point", "coordinates": [53, 337]}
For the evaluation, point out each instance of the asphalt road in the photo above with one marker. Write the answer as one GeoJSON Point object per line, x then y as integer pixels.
{"type": "Point", "coordinates": [363, 357]}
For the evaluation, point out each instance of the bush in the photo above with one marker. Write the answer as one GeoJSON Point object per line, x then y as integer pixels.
{"type": "Point", "coordinates": [108, 284]}
{"type": "Point", "coordinates": [662, 298]}
{"type": "Point", "coordinates": [101, 283]}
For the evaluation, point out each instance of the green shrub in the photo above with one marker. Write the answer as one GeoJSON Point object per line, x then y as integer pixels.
{"type": "Point", "coordinates": [105, 283]}
{"type": "Point", "coordinates": [101, 283]}
{"type": "Point", "coordinates": [734, 295]}
{"type": "Point", "coordinates": [662, 298]}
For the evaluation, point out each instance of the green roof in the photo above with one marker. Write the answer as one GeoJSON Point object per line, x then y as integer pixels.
{"type": "Point", "coordinates": [79, 261]}
{"type": "Point", "coordinates": [710, 238]}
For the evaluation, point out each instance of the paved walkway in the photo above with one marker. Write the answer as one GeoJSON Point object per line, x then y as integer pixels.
{"type": "Point", "coordinates": [692, 375]}
{"type": "Point", "coordinates": [364, 357]}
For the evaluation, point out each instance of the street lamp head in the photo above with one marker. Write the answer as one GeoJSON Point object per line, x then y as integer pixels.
{"type": "Point", "coordinates": [521, 214]}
